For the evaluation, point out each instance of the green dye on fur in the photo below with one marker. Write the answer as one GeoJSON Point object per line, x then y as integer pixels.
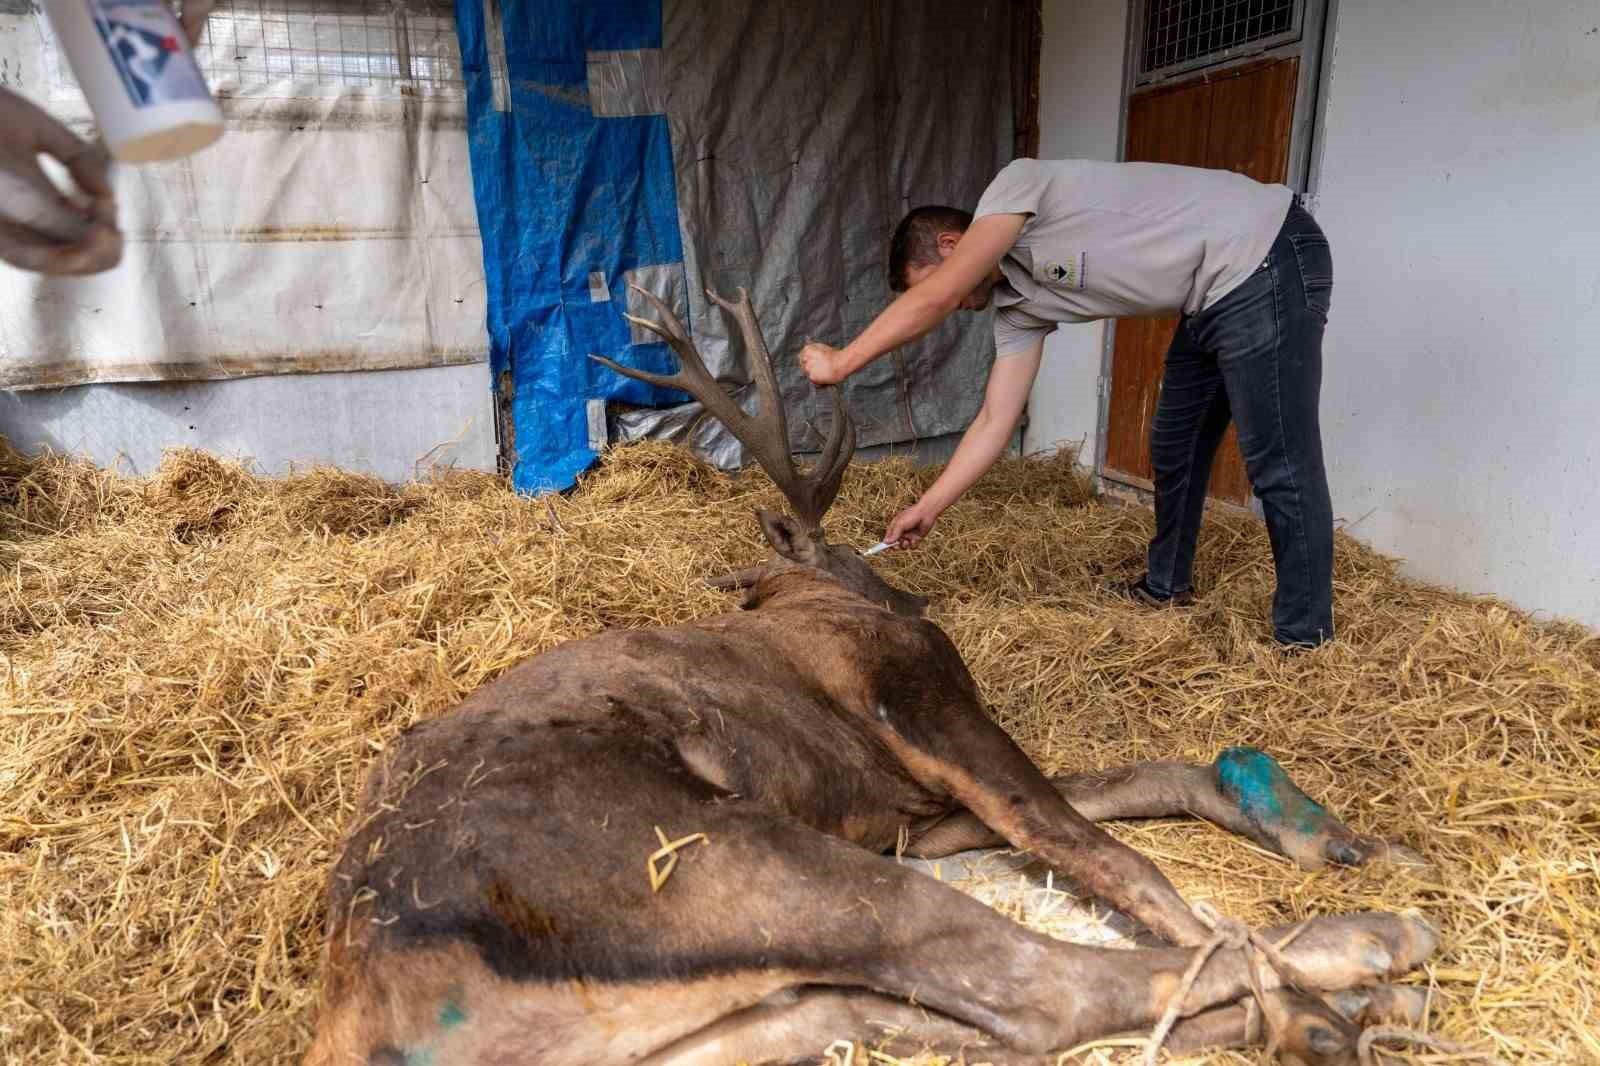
{"type": "Point", "coordinates": [1254, 780]}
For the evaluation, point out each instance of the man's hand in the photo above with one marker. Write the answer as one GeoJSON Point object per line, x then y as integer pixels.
{"type": "Point", "coordinates": [1010, 380]}
{"type": "Point", "coordinates": [911, 525]}
{"type": "Point", "coordinates": [41, 228]}
{"type": "Point", "coordinates": [823, 363]}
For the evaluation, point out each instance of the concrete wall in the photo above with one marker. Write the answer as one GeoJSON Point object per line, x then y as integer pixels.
{"type": "Point", "coordinates": [378, 422]}
{"type": "Point", "coordinates": [1080, 86]}
{"type": "Point", "coordinates": [1460, 169]}
{"type": "Point", "coordinates": [1459, 184]}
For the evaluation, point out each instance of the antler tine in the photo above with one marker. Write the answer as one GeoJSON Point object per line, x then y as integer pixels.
{"type": "Point", "coordinates": [661, 381]}
{"type": "Point", "coordinates": [671, 330]}
{"type": "Point", "coordinates": [766, 435]}
{"type": "Point", "coordinates": [738, 579]}
{"type": "Point", "coordinates": [812, 493]}
{"type": "Point", "coordinates": [692, 376]}
{"type": "Point", "coordinates": [760, 357]}
{"type": "Point", "coordinates": [835, 457]}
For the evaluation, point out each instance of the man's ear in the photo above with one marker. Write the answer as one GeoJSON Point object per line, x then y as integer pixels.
{"type": "Point", "coordinates": [788, 537]}
{"type": "Point", "coordinates": [946, 242]}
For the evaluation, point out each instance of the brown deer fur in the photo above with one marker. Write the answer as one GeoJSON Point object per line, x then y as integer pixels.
{"type": "Point", "coordinates": [492, 902]}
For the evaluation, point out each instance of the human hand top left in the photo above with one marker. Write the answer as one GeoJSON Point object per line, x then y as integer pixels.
{"type": "Point", "coordinates": [42, 228]}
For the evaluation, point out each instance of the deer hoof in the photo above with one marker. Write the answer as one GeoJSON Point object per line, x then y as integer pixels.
{"type": "Point", "coordinates": [1356, 950]}
{"type": "Point", "coordinates": [1285, 819]}
{"type": "Point", "coordinates": [1382, 1005]}
{"type": "Point", "coordinates": [1306, 1032]}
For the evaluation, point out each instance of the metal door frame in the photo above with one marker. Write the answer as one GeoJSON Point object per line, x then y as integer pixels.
{"type": "Point", "coordinates": [1314, 47]}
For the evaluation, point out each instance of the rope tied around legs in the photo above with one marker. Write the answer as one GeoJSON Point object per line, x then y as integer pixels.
{"type": "Point", "coordinates": [1236, 936]}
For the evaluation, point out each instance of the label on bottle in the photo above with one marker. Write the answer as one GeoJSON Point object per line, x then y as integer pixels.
{"type": "Point", "coordinates": [145, 44]}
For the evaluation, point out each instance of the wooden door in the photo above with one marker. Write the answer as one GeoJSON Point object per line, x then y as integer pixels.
{"type": "Point", "coordinates": [1238, 120]}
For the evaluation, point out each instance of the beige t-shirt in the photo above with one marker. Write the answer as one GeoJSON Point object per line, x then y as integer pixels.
{"type": "Point", "coordinates": [1115, 240]}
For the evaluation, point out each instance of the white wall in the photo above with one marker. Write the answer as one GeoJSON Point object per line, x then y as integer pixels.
{"type": "Point", "coordinates": [1080, 86]}
{"type": "Point", "coordinates": [1461, 192]}
{"type": "Point", "coordinates": [1460, 187]}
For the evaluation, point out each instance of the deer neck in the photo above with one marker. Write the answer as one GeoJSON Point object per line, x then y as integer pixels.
{"type": "Point", "coordinates": [791, 581]}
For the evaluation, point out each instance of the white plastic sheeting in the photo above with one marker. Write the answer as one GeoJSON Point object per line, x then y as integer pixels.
{"type": "Point", "coordinates": [333, 227]}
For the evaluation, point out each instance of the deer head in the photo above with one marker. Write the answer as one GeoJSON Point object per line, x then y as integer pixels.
{"type": "Point", "coordinates": [798, 541]}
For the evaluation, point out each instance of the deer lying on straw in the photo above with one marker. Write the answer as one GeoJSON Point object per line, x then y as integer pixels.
{"type": "Point", "coordinates": [667, 845]}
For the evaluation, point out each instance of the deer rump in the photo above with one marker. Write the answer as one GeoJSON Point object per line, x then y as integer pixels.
{"type": "Point", "coordinates": [667, 845]}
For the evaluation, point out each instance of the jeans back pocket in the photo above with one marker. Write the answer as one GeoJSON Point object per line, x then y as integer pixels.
{"type": "Point", "coordinates": [1315, 261]}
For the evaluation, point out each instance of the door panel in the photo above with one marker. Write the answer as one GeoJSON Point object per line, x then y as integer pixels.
{"type": "Point", "coordinates": [1163, 127]}
{"type": "Point", "coordinates": [1252, 116]}
{"type": "Point", "coordinates": [1239, 120]}
{"type": "Point", "coordinates": [1170, 126]}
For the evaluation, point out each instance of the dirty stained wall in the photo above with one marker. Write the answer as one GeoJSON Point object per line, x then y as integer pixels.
{"type": "Point", "coordinates": [332, 229]}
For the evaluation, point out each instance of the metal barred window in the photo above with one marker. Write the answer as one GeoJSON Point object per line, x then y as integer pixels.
{"type": "Point", "coordinates": [384, 47]}
{"type": "Point", "coordinates": [1180, 35]}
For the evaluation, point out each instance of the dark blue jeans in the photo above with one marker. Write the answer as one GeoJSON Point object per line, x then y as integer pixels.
{"type": "Point", "coordinates": [1254, 358]}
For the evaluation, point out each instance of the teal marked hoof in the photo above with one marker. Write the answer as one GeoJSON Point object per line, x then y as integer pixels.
{"type": "Point", "coordinates": [1254, 781]}
{"type": "Point", "coordinates": [1284, 818]}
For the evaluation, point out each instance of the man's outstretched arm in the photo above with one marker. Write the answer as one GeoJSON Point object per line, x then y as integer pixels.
{"type": "Point", "coordinates": [921, 307]}
{"type": "Point", "coordinates": [1010, 382]}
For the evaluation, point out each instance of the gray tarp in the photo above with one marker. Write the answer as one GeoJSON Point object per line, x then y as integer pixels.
{"type": "Point", "coordinates": [802, 131]}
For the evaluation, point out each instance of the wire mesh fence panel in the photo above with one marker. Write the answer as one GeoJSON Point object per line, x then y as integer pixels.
{"type": "Point", "coordinates": [372, 44]}
{"type": "Point", "coordinates": [1181, 34]}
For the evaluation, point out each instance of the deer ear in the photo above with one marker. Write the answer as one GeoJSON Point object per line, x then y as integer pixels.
{"type": "Point", "coordinates": [788, 537]}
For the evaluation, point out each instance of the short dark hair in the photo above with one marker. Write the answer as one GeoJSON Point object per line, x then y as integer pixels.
{"type": "Point", "coordinates": [916, 240]}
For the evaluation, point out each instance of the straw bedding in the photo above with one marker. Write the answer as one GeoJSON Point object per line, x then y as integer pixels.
{"type": "Point", "coordinates": [199, 666]}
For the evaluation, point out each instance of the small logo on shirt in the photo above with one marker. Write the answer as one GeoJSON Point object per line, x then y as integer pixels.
{"type": "Point", "coordinates": [1066, 274]}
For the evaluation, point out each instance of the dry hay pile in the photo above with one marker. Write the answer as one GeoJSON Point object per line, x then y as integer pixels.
{"type": "Point", "coordinates": [199, 667]}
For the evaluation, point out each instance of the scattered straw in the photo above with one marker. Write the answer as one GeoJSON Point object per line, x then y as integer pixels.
{"type": "Point", "coordinates": [1367, 1050]}
{"type": "Point", "coordinates": [841, 1053]}
{"type": "Point", "coordinates": [669, 851]}
{"type": "Point", "coordinates": [197, 669]}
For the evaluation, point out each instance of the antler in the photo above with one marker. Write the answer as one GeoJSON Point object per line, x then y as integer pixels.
{"type": "Point", "coordinates": [766, 434]}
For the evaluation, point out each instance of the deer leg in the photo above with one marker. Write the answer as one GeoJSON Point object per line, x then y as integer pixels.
{"type": "Point", "coordinates": [799, 1025]}
{"type": "Point", "coordinates": [953, 748]}
{"type": "Point", "coordinates": [833, 913]}
{"type": "Point", "coordinates": [1291, 1017]}
{"type": "Point", "coordinates": [1244, 791]}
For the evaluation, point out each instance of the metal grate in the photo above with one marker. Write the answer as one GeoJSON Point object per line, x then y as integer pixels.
{"type": "Point", "coordinates": [380, 44]}
{"type": "Point", "coordinates": [1183, 34]}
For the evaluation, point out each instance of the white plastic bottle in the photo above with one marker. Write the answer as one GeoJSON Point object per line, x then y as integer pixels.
{"type": "Point", "coordinates": [133, 63]}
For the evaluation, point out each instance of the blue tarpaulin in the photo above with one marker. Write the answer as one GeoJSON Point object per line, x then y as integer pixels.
{"type": "Point", "coordinates": [678, 144]}
{"type": "Point", "coordinates": [563, 196]}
